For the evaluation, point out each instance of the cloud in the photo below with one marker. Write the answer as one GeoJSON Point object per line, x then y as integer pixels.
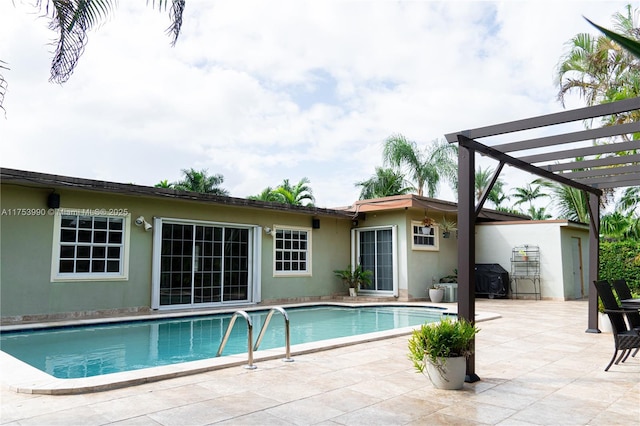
{"type": "Point", "coordinates": [265, 91]}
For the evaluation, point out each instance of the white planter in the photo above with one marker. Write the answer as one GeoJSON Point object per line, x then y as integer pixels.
{"type": "Point", "coordinates": [352, 292]}
{"type": "Point", "coordinates": [436, 294]}
{"type": "Point", "coordinates": [450, 376]}
{"type": "Point", "coordinates": [604, 323]}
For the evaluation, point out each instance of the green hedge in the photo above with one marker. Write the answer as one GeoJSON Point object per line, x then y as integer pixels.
{"type": "Point", "coordinates": [621, 259]}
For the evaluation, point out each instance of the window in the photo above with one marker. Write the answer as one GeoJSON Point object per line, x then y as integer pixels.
{"type": "Point", "coordinates": [90, 247]}
{"type": "Point", "coordinates": [424, 237]}
{"type": "Point", "coordinates": [292, 251]}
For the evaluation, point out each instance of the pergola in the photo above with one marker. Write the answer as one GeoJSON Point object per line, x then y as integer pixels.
{"type": "Point", "coordinates": [551, 157]}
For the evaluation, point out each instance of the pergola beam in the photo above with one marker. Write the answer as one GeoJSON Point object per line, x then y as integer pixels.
{"type": "Point", "coordinates": [583, 135]}
{"type": "Point", "coordinates": [548, 120]}
{"type": "Point", "coordinates": [598, 162]}
{"type": "Point", "coordinates": [581, 152]}
{"type": "Point", "coordinates": [580, 175]}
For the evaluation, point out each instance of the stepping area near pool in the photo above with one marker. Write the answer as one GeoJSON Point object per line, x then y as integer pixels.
{"type": "Point", "coordinates": [536, 363]}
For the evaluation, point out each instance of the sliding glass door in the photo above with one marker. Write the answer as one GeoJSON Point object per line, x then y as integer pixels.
{"type": "Point", "coordinates": [375, 252]}
{"type": "Point", "coordinates": [203, 264]}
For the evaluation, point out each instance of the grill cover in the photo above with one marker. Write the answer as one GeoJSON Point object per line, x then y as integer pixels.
{"type": "Point", "coordinates": [492, 280]}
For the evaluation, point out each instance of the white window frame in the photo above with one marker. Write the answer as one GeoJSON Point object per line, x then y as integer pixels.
{"type": "Point", "coordinates": [424, 247]}
{"type": "Point", "coordinates": [298, 273]}
{"type": "Point", "coordinates": [57, 276]}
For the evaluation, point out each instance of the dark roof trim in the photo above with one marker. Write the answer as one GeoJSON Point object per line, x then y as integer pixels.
{"type": "Point", "coordinates": [13, 176]}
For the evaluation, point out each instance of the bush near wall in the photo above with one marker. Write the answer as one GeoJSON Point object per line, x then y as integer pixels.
{"type": "Point", "coordinates": [621, 259]}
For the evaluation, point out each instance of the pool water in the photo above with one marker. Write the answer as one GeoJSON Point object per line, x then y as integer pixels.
{"type": "Point", "coordinates": [85, 351]}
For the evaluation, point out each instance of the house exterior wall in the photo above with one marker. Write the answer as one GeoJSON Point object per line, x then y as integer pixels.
{"type": "Point", "coordinates": [26, 244]}
{"type": "Point", "coordinates": [495, 241]}
{"type": "Point", "coordinates": [416, 268]}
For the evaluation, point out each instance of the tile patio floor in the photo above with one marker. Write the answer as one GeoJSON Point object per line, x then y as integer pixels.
{"type": "Point", "coordinates": [537, 365]}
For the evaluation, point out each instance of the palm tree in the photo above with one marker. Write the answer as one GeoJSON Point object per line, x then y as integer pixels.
{"type": "Point", "coordinates": [600, 70]}
{"type": "Point", "coordinates": [164, 184]}
{"type": "Point", "coordinates": [528, 194]}
{"type": "Point", "coordinates": [386, 182]}
{"type": "Point", "coordinates": [624, 221]}
{"type": "Point", "coordinates": [426, 167]}
{"type": "Point", "coordinates": [294, 195]}
{"type": "Point", "coordinates": [483, 178]}
{"type": "Point", "coordinates": [571, 203]}
{"type": "Point", "coordinates": [200, 181]}
{"type": "Point", "coordinates": [267, 194]}
{"type": "Point", "coordinates": [538, 213]}
{"type": "Point", "coordinates": [630, 200]}
{"type": "Point", "coordinates": [73, 19]}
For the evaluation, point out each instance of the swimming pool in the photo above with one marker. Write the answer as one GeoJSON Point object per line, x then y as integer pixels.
{"type": "Point", "coordinates": [86, 351]}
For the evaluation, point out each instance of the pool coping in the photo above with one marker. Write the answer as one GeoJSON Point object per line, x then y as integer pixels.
{"type": "Point", "coordinates": [20, 377]}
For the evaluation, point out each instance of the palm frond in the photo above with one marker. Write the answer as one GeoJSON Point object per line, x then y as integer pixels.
{"type": "Point", "coordinates": [632, 46]}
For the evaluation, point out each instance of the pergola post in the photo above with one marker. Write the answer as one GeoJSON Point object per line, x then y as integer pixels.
{"type": "Point", "coordinates": [466, 245]}
{"type": "Point", "coordinates": [594, 261]}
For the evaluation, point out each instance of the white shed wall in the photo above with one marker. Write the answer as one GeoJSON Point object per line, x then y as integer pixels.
{"type": "Point", "coordinates": [494, 243]}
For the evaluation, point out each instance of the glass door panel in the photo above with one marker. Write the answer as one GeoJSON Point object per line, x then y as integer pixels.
{"type": "Point", "coordinates": [376, 255]}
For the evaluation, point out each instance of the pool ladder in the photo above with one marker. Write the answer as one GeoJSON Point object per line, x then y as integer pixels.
{"type": "Point", "coordinates": [250, 346]}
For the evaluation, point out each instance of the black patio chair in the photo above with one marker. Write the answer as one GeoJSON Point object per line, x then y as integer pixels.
{"type": "Point", "coordinates": [625, 339]}
{"type": "Point", "coordinates": [624, 292]}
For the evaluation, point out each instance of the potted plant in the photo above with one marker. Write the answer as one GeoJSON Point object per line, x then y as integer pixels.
{"type": "Point", "coordinates": [436, 293]}
{"type": "Point", "coordinates": [446, 226]}
{"type": "Point", "coordinates": [427, 225]}
{"type": "Point", "coordinates": [450, 278]}
{"type": "Point", "coordinates": [440, 349]}
{"type": "Point", "coordinates": [354, 278]}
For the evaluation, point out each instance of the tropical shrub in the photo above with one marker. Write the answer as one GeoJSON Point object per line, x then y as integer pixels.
{"type": "Point", "coordinates": [621, 260]}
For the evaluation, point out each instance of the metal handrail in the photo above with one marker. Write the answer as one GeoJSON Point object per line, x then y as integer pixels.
{"type": "Point", "coordinates": [249, 337]}
{"type": "Point", "coordinates": [287, 356]}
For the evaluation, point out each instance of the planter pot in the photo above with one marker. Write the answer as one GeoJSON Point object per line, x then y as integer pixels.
{"type": "Point", "coordinates": [449, 376]}
{"type": "Point", "coordinates": [436, 294]}
{"type": "Point", "coordinates": [352, 292]}
{"type": "Point", "coordinates": [604, 323]}
{"type": "Point", "coordinates": [446, 234]}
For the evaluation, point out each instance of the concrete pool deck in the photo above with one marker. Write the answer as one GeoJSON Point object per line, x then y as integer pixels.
{"type": "Point", "coordinates": [536, 363]}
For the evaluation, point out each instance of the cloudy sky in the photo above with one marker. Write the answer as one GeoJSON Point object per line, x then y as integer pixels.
{"type": "Point", "coordinates": [261, 91]}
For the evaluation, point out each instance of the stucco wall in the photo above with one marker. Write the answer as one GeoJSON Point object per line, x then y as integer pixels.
{"type": "Point", "coordinates": [26, 248]}
{"type": "Point", "coordinates": [494, 243]}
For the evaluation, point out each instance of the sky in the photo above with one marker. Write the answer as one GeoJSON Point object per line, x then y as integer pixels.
{"type": "Point", "coordinates": [262, 91]}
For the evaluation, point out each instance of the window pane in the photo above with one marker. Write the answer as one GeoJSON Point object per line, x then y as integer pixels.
{"type": "Point", "coordinates": [84, 236]}
{"type": "Point", "coordinates": [67, 252]}
{"type": "Point", "coordinates": [100, 237]}
{"type": "Point", "coordinates": [67, 236]}
{"type": "Point", "coordinates": [100, 223]}
{"type": "Point", "coordinates": [84, 252]}
{"type": "Point", "coordinates": [68, 221]}
{"type": "Point", "coordinates": [113, 253]}
{"type": "Point", "coordinates": [115, 237]}
{"type": "Point", "coordinates": [66, 266]}
{"type": "Point", "coordinates": [99, 252]}
{"type": "Point", "coordinates": [82, 266]}
{"type": "Point", "coordinates": [84, 222]}
{"type": "Point", "coordinates": [97, 266]}
{"type": "Point", "coordinates": [113, 266]}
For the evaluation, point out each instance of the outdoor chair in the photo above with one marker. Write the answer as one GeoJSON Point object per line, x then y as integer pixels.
{"type": "Point", "coordinates": [625, 339]}
{"type": "Point", "coordinates": [633, 316]}
{"type": "Point", "coordinates": [624, 292]}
